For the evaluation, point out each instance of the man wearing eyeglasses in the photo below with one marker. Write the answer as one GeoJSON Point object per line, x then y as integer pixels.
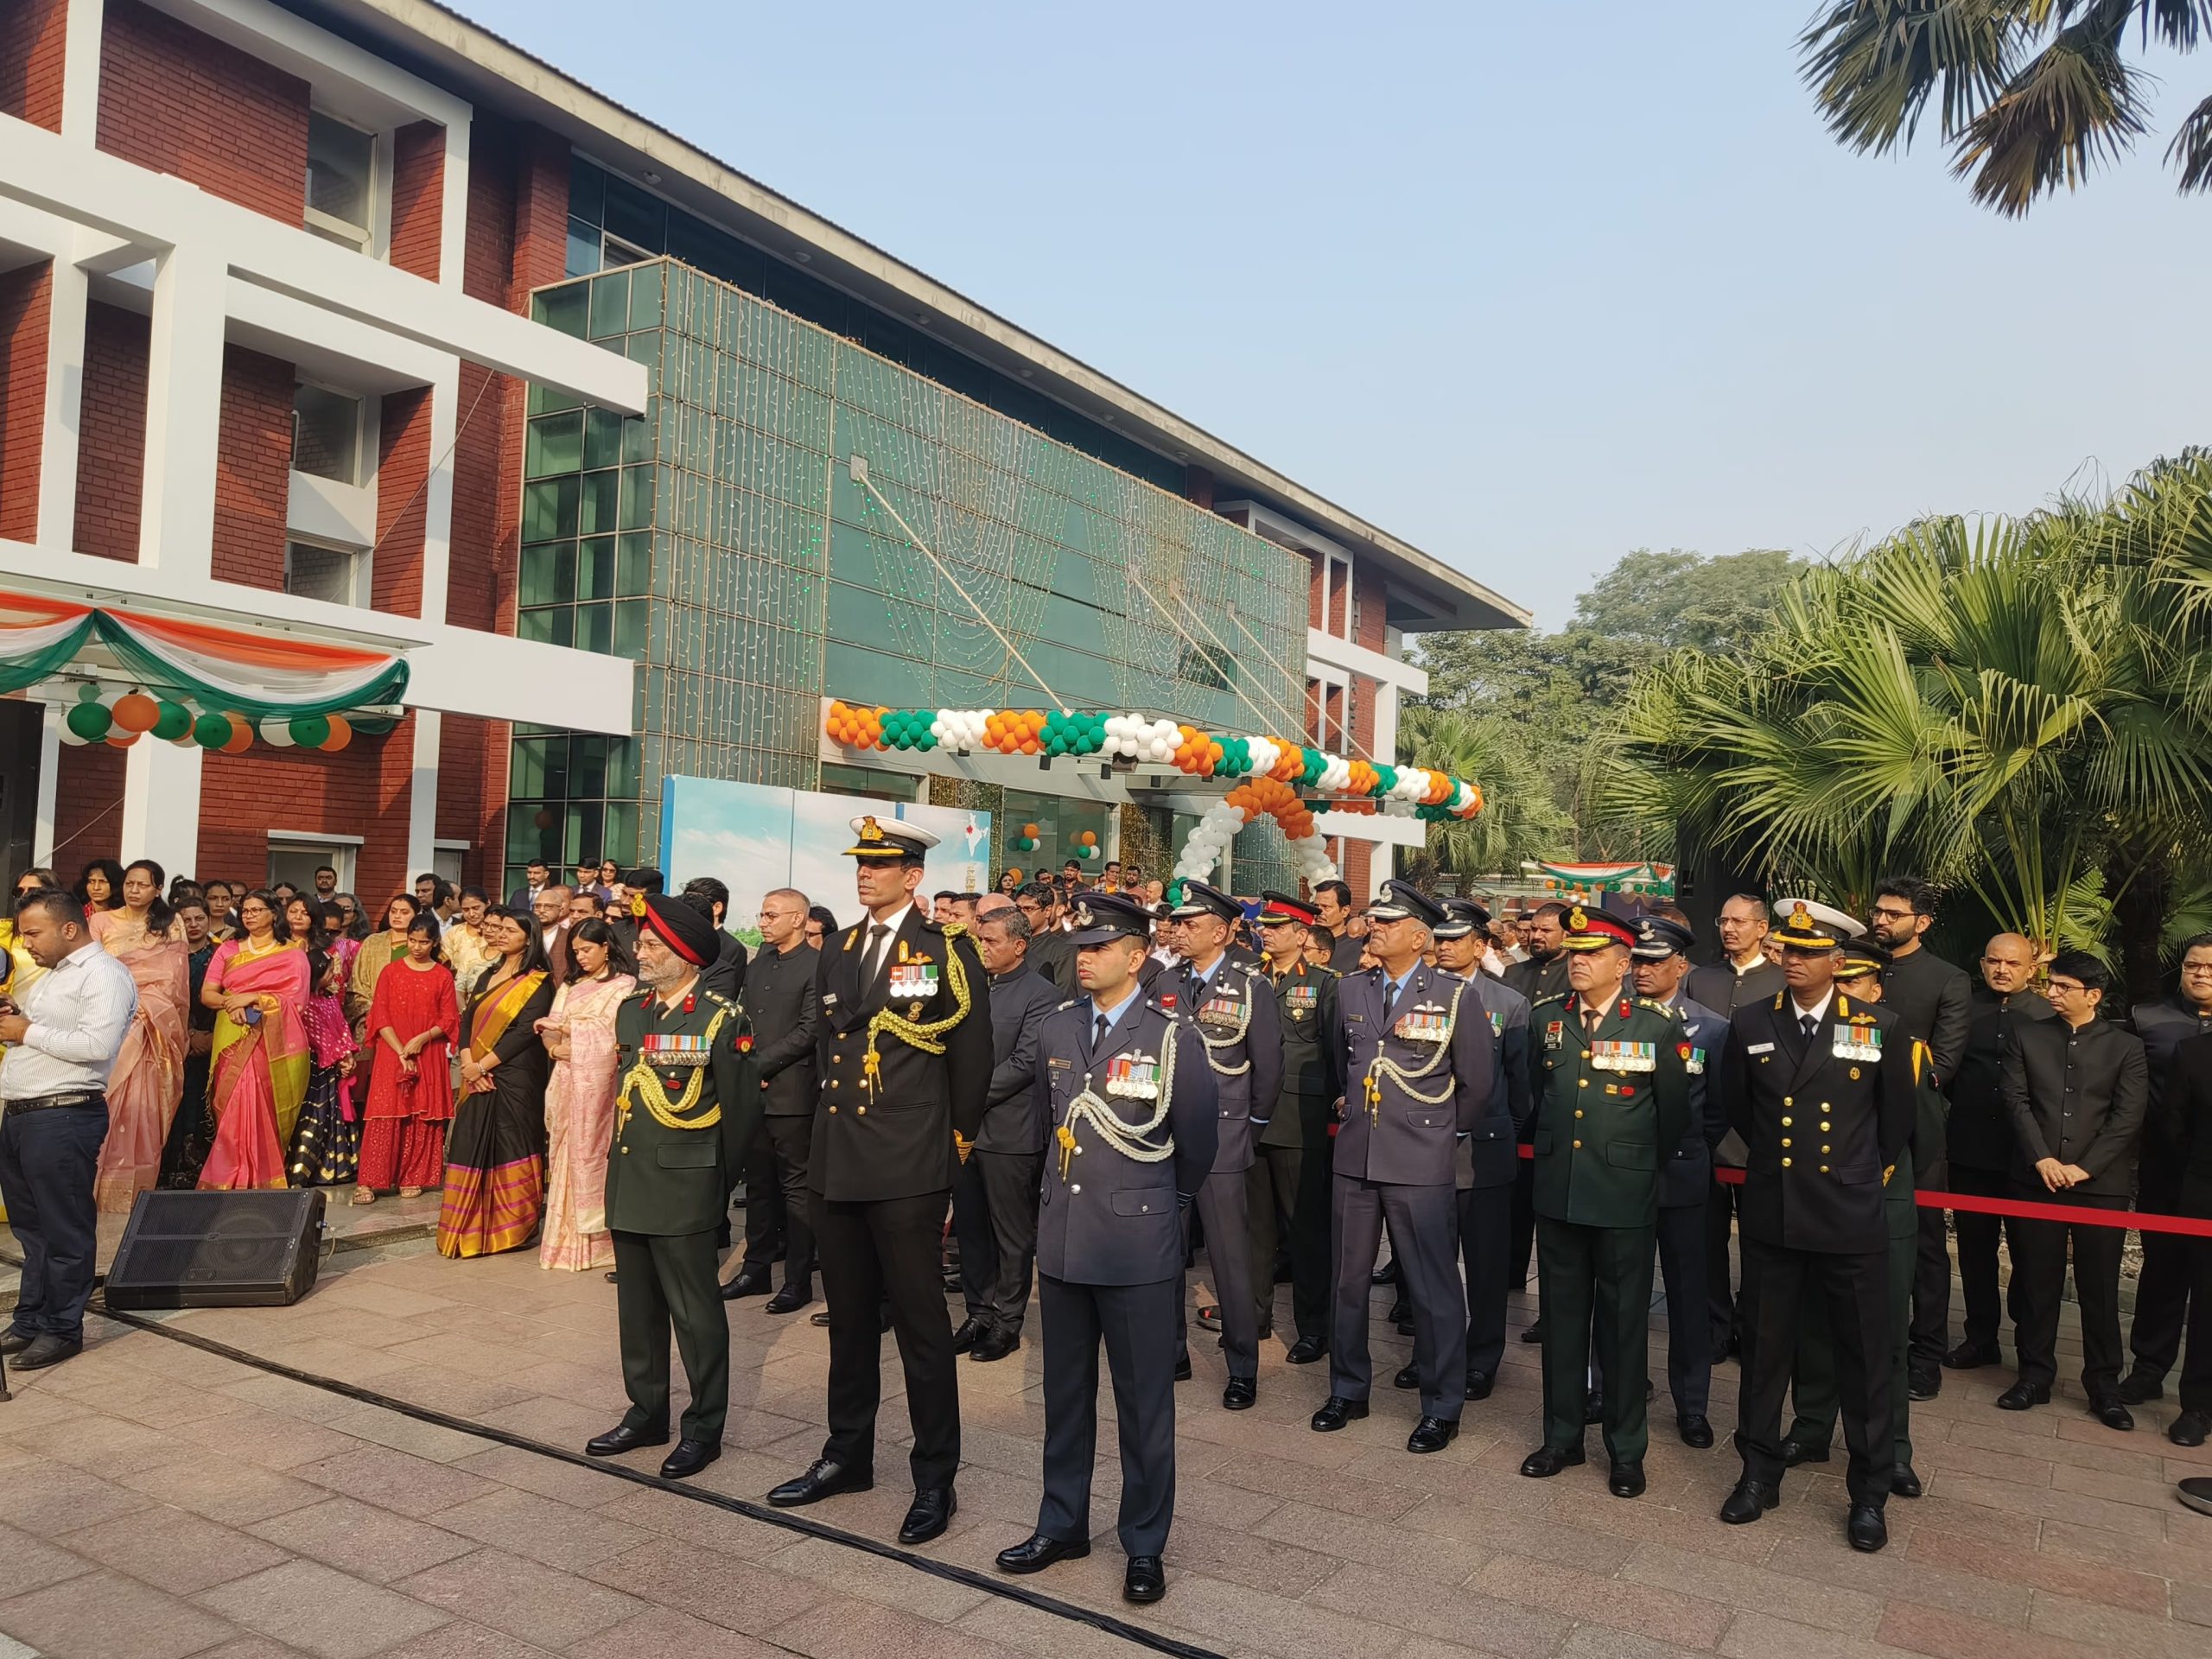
{"type": "Point", "coordinates": [1050, 955]}
{"type": "Point", "coordinates": [2078, 1088]}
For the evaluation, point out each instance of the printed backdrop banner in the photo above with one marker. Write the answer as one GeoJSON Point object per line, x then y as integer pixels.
{"type": "Point", "coordinates": [756, 837]}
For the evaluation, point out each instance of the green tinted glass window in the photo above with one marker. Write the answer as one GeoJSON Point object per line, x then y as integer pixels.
{"type": "Point", "coordinates": [556, 445]}
{"type": "Point", "coordinates": [602, 438]}
{"type": "Point", "coordinates": [634, 564]}
{"type": "Point", "coordinates": [630, 628]}
{"type": "Point", "coordinates": [566, 310]}
{"type": "Point", "coordinates": [548, 575]}
{"type": "Point", "coordinates": [553, 627]}
{"type": "Point", "coordinates": [595, 513]}
{"type": "Point", "coordinates": [595, 628]}
{"type": "Point", "coordinates": [548, 509]}
{"type": "Point", "coordinates": [637, 496]}
{"type": "Point", "coordinates": [596, 569]}
{"type": "Point", "coordinates": [610, 304]}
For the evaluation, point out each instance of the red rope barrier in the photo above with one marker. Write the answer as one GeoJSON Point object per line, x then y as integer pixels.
{"type": "Point", "coordinates": [2140, 1221]}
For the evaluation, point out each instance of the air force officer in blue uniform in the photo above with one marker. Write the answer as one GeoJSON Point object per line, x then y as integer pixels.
{"type": "Point", "coordinates": [1123, 1082]}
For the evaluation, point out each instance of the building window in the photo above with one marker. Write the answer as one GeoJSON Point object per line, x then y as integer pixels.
{"type": "Point", "coordinates": [342, 180]}
{"type": "Point", "coordinates": [327, 434]}
{"type": "Point", "coordinates": [295, 857]}
{"type": "Point", "coordinates": [614, 252]}
{"type": "Point", "coordinates": [339, 575]}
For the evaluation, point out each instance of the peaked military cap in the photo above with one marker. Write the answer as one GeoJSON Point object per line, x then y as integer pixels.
{"type": "Point", "coordinates": [1593, 929]}
{"type": "Point", "coordinates": [1100, 918]}
{"type": "Point", "coordinates": [897, 839]}
{"type": "Point", "coordinates": [1658, 937]}
{"type": "Point", "coordinates": [1277, 908]}
{"type": "Point", "coordinates": [1402, 901]}
{"type": "Point", "coordinates": [1807, 924]}
{"type": "Point", "coordinates": [1461, 918]}
{"type": "Point", "coordinates": [1200, 899]}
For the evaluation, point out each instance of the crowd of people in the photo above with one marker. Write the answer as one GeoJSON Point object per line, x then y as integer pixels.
{"type": "Point", "coordinates": [1068, 1092]}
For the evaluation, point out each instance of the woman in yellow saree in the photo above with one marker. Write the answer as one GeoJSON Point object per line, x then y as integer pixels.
{"type": "Point", "coordinates": [147, 1082]}
{"type": "Point", "coordinates": [257, 1070]}
{"type": "Point", "coordinates": [495, 1152]}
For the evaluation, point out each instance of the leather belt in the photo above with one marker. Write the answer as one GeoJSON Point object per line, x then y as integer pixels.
{"type": "Point", "coordinates": [41, 1103]}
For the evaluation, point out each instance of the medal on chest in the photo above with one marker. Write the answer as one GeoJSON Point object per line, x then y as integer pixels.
{"type": "Point", "coordinates": [1302, 998]}
{"type": "Point", "coordinates": [1220, 1011]}
{"type": "Point", "coordinates": [671, 1050]}
{"type": "Point", "coordinates": [913, 981]}
{"type": "Point", "coordinates": [1426, 1023]}
{"type": "Point", "coordinates": [1857, 1042]}
{"type": "Point", "coordinates": [1692, 1059]}
{"type": "Point", "coordinates": [1615, 1056]}
{"type": "Point", "coordinates": [1133, 1077]}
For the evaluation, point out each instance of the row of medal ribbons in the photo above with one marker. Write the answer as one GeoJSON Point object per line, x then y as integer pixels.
{"type": "Point", "coordinates": [1137, 1076]}
{"type": "Point", "coordinates": [671, 1049]}
{"type": "Point", "coordinates": [1423, 1025]}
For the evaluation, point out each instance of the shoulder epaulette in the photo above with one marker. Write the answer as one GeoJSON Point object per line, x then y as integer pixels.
{"type": "Point", "coordinates": [1070, 1003]}
{"type": "Point", "coordinates": [640, 994]}
{"type": "Point", "coordinates": [1656, 1007]}
{"type": "Point", "coordinates": [716, 996]}
{"type": "Point", "coordinates": [1545, 1001]}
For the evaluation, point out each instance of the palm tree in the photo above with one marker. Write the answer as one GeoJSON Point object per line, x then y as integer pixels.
{"type": "Point", "coordinates": [1519, 819]}
{"type": "Point", "coordinates": [2031, 94]}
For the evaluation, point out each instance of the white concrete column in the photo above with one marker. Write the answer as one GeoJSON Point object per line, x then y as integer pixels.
{"type": "Point", "coordinates": [161, 805]}
{"type": "Point", "coordinates": [184, 405]}
{"type": "Point", "coordinates": [80, 70]}
{"type": "Point", "coordinates": [437, 498]}
{"type": "Point", "coordinates": [71, 289]}
{"type": "Point", "coordinates": [452, 224]}
{"type": "Point", "coordinates": [422, 789]}
{"type": "Point", "coordinates": [49, 785]}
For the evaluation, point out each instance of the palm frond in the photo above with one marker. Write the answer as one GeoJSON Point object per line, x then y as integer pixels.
{"type": "Point", "coordinates": [2073, 105]}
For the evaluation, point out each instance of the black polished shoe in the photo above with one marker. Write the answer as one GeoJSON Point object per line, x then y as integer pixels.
{"type": "Point", "coordinates": [1903, 1482]}
{"type": "Point", "coordinates": [2021, 1395]}
{"type": "Point", "coordinates": [932, 1513]}
{"type": "Point", "coordinates": [15, 1341]}
{"type": "Point", "coordinates": [1921, 1383]}
{"type": "Point", "coordinates": [1796, 1451]}
{"type": "Point", "coordinates": [1240, 1394]}
{"type": "Point", "coordinates": [1547, 1460]}
{"type": "Point", "coordinates": [1866, 1529]}
{"type": "Point", "coordinates": [2138, 1387]}
{"type": "Point", "coordinates": [2107, 1410]}
{"type": "Point", "coordinates": [1336, 1411]}
{"type": "Point", "coordinates": [690, 1457]}
{"type": "Point", "coordinates": [2190, 1428]}
{"type": "Point", "coordinates": [1037, 1552]}
{"type": "Point", "coordinates": [1751, 1500]}
{"type": "Point", "coordinates": [996, 1345]}
{"type": "Point", "coordinates": [1972, 1356]}
{"type": "Point", "coordinates": [971, 1332]}
{"type": "Point", "coordinates": [1533, 1331]}
{"type": "Point", "coordinates": [820, 1316]}
{"type": "Point", "coordinates": [823, 1479]}
{"type": "Point", "coordinates": [1182, 1369]}
{"type": "Point", "coordinates": [48, 1350]}
{"type": "Point", "coordinates": [1626, 1480]}
{"type": "Point", "coordinates": [1695, 1430]}
{"type": "Point", "coordinates": [748, 1281]}
{"type": "Point", "coordinates": [788, 1299]}
{"type": "Point", "coordinates": [1479, 1383]}
{"type": "Point", "coordinates": [1144, 1580]}
{"type": "Point", "coordinates": [623, 1437]}
{"type": "Point", "coordinates": [1210, 1319]}
{"type": "Point", "coordinates": [1593, 1407]}
{"type": "Point", "coordinates": [1433, 1435]}
{"type": "Point", "coordinates": [1305, 1352]}
{"type": "Point", "coordinates": [1401, 1312]}
{"type": "Point", "coordinates": [1409, 1376]}
{"type": "Point", "coordinates": [1385, 1275]}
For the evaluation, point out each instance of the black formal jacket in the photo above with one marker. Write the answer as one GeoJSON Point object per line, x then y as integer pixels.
{"type": "Point", "coordinates": [2185, 1114]}
{"type": "Point", "coordinates": [1979, 1134]}
{"type": "Point", "coordinates": [1720, 987]}
{"type": "Point", "coordinates": [892, 1137]}
{"type": "Point", "coordinates": [1821, 1128]}
{"type": "Point", "coordinates": [781, 1001]}
{"type": "Point", "coordinates": [1019, 1002]}
{"type": "Point", "coordinates": [1687, 1176]}
{"type": "Point", "coordinates": [1537, 980]}
{"type": "Point", "coordinates": [1487, 1162]}
{"type": "Point", "coordinates": [2163, 1026]}
{"type": "Point", "coordinates": [725, 975]}
{"type": "Point", "coordinates": [2079, 1097]}
{"type": "Point", "coordinates": [1052, 957]}
{"type": "Point", "coordinates": [1306, 998]}
{"type": "Point", "coordinates": [1933, 999]}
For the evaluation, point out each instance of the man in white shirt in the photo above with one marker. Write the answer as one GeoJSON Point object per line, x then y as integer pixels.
{"type": "Point", "coordinates": [62, 1041]}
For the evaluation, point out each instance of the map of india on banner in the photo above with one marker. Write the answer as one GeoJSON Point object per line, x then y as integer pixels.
{"type": "Point", "coordinates": [755, 838]}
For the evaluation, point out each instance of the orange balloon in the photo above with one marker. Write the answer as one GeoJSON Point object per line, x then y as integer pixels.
{"type": "Point", "coordinates": [341, 734]}
{"type": "Point", "coordinates": [1029, 829]}
{"type": "Point", "coordinates": [241, 735]}
{"type": "Point", "coordinates": [136, 712]}
{"type": "Point", "coordinates": [1088, 837]}
{"type": "Point", "coordinates": [120, 739]}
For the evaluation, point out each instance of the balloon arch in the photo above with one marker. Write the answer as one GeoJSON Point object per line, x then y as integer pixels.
{"type": "Point", "coordinates": [1289, 782]}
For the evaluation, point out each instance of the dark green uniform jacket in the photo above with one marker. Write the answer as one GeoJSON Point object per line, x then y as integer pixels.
{"type": "Point", "coordinates": [670, 1180]}
{"type": "Point", "coordinates": [1610, 1109]}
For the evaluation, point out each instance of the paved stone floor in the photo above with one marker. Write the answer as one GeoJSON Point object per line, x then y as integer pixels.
{"type": "Point", "coordinates": [160, 1501]}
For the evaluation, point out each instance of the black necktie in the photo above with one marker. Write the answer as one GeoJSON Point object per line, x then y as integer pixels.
{"type": "Point", "coordinates": [1098, 1031]}
{"type": "Point", "coordinates": [1590, 1018]}
{"type": "Point", "coordinates": [1808, 1024]}
{"type": "Point", "coordinates": [871, 960]}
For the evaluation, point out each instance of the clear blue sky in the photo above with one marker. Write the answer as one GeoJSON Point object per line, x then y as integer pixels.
{"type": "Point", "coordinates": [1530, 285]}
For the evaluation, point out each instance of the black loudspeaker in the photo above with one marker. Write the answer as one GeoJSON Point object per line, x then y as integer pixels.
{"type": "Point", "coordinates": [218, 1250]}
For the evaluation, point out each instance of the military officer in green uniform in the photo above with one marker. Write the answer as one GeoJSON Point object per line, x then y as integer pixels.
{"type": "Point", "coordinates": [1609, 1071]}
{"type": "Point", "coordinates": [1812, 1386]}
{"type": "Point", "coordinates": [1287, 1201]}
{"type": "Point", "coordinates": [687, 1108]}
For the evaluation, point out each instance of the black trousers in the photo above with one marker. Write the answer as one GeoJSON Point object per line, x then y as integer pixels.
{"type": "Point", "coordinates": [1776, 1282]}
{"type": "Point", "coordinates": [46, 1160]}
{"type": "Point", "coordinates": [2040, 1253]}
{"type": "Point", "coordinates": [1721, 1296]}
{"type": "Point", "coordinates": [766, 1213]}
{"type": "Point", "coordinates": [782, 1188]}
{"type": "Point", "coordinates": [872, 1251]}
{"type": "Point", "coordinates": [2161, 1294]}
{"type": "Point", "coordinates": [662, 1282]}
{"type": "Point", "coordinates": [1486, 1253]}
{"type": "Point", "coordinates": [1978, 1238]}
{"type": "Point", "coordinates": [1690, 1326]}
{"type": "Point", "coordinates": [1286, 1207]}
{"type": "Point", "coordinates": [1931, 1292]}
{"type": "Point", "coordinates": [2196, 1362]}
{"type": "Point", "coordinates": [1595, 1283]}
{"type": "Point", "coordinates": [1136, 1323]}
{"type": "Point", "coordinates": [1522, 1250]}
{"type": "Point", "coordinates": [994, 1216]}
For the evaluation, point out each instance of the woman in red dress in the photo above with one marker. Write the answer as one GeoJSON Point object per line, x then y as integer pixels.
{"type": "Point", "coordinates": [412, 1019]}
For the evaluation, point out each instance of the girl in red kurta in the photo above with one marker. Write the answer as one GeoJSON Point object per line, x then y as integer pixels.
{"type": "Point", "coordinates": [412, 1019]}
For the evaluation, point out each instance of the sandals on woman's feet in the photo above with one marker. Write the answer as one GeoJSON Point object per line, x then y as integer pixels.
{"type": "Point", "coordinates": [363, 1195]}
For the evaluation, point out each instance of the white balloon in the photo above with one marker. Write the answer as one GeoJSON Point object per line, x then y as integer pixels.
{"type": "Point", "coordinates": [276, 731]}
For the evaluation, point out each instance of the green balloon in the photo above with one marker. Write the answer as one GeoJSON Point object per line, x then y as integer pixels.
{"type": "Point", "coordinates": [310, 731]}
{"type": "Point", "coordinates": [89, 721]}
{"type": "Point", "coordinates": [211, 731]}
{"type": "Point", "coordinates": [174, 721]}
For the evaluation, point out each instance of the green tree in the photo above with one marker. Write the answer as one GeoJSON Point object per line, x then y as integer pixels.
{"type": "Point", "coordinates": [1519, 819]}
{"type": "Point", "coordinates": [2029, 94]}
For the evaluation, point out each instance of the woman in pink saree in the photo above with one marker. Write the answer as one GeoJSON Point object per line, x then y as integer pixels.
{"type": "Point", "coordinates": [257, 1070]}
{"type": "Point", "coordinates": [148, 1080]}
{"type": "Point", "coordinates": [579, 1099]}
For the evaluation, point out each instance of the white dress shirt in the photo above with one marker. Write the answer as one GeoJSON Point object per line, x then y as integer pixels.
{"type": "Point", "coordinates": [81, 1010]}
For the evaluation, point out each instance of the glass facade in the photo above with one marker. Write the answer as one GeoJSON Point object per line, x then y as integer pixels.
{"type": "Point", "coordinates": [722, 544]}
